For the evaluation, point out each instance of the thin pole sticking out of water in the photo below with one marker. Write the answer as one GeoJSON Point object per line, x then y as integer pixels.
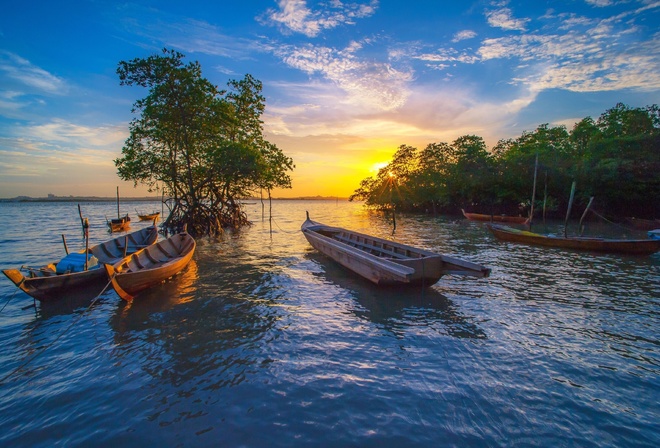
{"type": "Point", "coordinates": [531, 211]}
{"type": "Point", "coordinates": [570, 204]}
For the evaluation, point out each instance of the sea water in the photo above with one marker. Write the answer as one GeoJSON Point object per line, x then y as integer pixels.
{"type": "Point", "coordinates": [263, 342]}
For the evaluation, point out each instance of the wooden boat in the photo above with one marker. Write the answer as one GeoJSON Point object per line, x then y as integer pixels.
{"type": "Point", "coordinates": [385, 262]}
{"type": "Point", "coordinates": [634, 247]}
{"type": "Point", "coordinates": [119, 224]}
{"type": "Point", "coordinates": [148, 216]}
{"type": "Point", "coordinates": [54, 280]}
{"type": "Point", "coordinates": [122, 223]}
{"type": "Point", "coordinates": [644, 224]}
{"type": "Point", "coordinates": [151, 266]}
{"type": "Point", "coordinates": [495, 218]}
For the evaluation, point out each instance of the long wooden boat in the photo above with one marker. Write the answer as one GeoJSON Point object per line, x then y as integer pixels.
{"type": "Point", "coordinates": [634, 247]}
{"type": "Point", "coordinates": [495, 218]}
{"type": "Point", "coordinates": [59, 278]}
{"type": "Point", "coordinates": [385, 262]}
{"type": "Point", "coordinates": [151, 266]}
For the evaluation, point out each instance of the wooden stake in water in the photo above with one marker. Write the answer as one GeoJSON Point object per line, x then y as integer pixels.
{"type": "Point", "coordinates": [570, 204]}
{"type": "Point", "coordinates": [531, 211]}
{"type": "Point", "coordinates": [591, 199]}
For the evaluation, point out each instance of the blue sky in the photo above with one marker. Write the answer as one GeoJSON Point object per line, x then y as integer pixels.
{"type": "Point", "coordinates": [346, 82]}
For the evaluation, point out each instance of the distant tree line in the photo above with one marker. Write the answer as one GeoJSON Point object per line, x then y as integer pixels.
{"type": "Point", "coordinates": [615, 159]}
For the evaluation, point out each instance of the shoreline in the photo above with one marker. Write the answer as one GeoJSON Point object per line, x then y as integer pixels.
{"type": "Point", "coordinates": [149, 199]}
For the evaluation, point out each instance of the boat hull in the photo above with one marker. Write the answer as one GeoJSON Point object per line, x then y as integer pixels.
{"type": "Point", "coordinates": [495, 218]}
{"type": "Point", "coordinates": [149, 217]}
{"type": "Point", "coordinates": [44, 284]}
{"type": "Point", "coordinates": [385, 262]}
{"type": "Point", "coordinates": [151, 266]}
{"type": "Point", "coordinates": [633, 247]}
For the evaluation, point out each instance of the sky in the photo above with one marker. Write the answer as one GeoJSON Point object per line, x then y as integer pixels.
{"type": "Point", "coordinates": [346, 82]}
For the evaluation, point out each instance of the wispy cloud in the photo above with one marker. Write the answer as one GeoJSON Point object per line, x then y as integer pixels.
{"type": "Point", "coordinates": [589, 55]}
{"type": "Point", "coordinates": [502, 18]}
{"type": "Point", "coordinates": [22, 73]}
{"type": "Point", "coordinates": [600, 3]}
{"type": "Point", "coordinates": [78, 136]}
{"type": "Point", "coordinates": [297, 17]}
{"type": "Point", "coordinates": [373, 84]}
{"type": "Point", "coordinates": [464, 35]}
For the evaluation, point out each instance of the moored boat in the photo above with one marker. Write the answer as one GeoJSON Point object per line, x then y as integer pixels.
{"type": "Point", "coordinates": [385, 262]}
{"type": "Point", "coordinates": [151, 266]}
{"type": "Point", "coordinates": [148, 216]}
{"type": "Point", "coordinates": [119, 224]}
{"type": "Point", "coordinates": [54, 280]}
{"type": "Point", "coordinates": [633, 247]}
{"type": "Point", "coordinates": [495, 218]}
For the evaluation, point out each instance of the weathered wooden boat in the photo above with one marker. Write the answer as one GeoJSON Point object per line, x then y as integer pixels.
{"type": "Point", "coordinates": [119, 224]}
{"type": "Point", "coordinates": [148, 216]}
{"type": "Point", "coordinates": [644, 224]}
{"type": "Point", "coordinates": [151, 266]}
{"type": "Point", "coordinates": [495, 218]}
{"type": "Point", "coordinates": [385, 262]}
{"type": "Point", "coordinates": [54, 280]}
{"type": "Point", "coordinates": [634, 247]}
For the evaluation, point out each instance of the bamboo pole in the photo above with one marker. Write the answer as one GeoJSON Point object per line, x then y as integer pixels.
{"type": "Point", "coordinates": [531, 211]}
{"type": "Point", "coordinates": [86, 226]}
{"type": "Point", "coordinates": [545, 195]}
{"type": "Point", "coordinates": [591, 199]}
{"type": "Point", "coordinates": [570, 204]}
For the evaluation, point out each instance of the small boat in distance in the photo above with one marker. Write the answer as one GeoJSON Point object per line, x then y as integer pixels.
{"type": "Point", "coordinates": [632, 247]}
{"type": "Point", "coordinates": [495, 218]}
{"type": "Point", "coordinates": [385, 262]}
{"type": "Point", "coordinates": [119, 224]}
{"type": "Point", "coordinates": [151, 266]}
{"type": "Point", "coordinates": [57, 279]}
{"type": "Point", "coordinates": [148, 216]}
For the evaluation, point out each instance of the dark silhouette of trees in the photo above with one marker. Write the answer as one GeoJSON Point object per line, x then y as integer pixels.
{"type": "Point", "coordinates": [615, 158]}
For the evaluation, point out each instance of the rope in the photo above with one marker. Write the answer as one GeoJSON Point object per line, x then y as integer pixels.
{"type": "Point", "coordinates": [18, 287]}
{"type": "Point", "coordinates": [39, 353]}
{"type": "Point", "coordinates": [611, 222]}
{"type": "Point", "coordinates": [285, 231]}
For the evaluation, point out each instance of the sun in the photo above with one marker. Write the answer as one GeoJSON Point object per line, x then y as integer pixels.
{"type": "Point", "coordinates": [377, 166]}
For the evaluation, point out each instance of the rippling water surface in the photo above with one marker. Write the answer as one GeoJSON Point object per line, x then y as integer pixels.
{"type": "Point", "coordinates": [264, 342]}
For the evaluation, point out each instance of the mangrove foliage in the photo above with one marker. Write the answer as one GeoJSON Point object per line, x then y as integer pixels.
{"type": "Point", "coordinates": [203, 146]}
{"type": "Point", "coordinates": [615, 159]}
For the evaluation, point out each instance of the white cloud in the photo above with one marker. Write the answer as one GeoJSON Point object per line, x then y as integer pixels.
{"type": "Point", "coordinates": [370, 84]}
{"type": "Point", "coordinates": [28, 76]}
{"type": "Point", "coordinates": [600, 3]}
{"type": "Point", "coordinates": [296, 16]}
{"type": "Point", "coordinates": [502, 18]}
{"type": "Point", "coordinates": [78, 136]}
{"type": "Point", "coordinates": [463, 35]}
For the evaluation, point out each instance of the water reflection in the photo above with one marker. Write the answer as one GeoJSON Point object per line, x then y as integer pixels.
{"type": "Point", "coordinates": [396, 309]}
